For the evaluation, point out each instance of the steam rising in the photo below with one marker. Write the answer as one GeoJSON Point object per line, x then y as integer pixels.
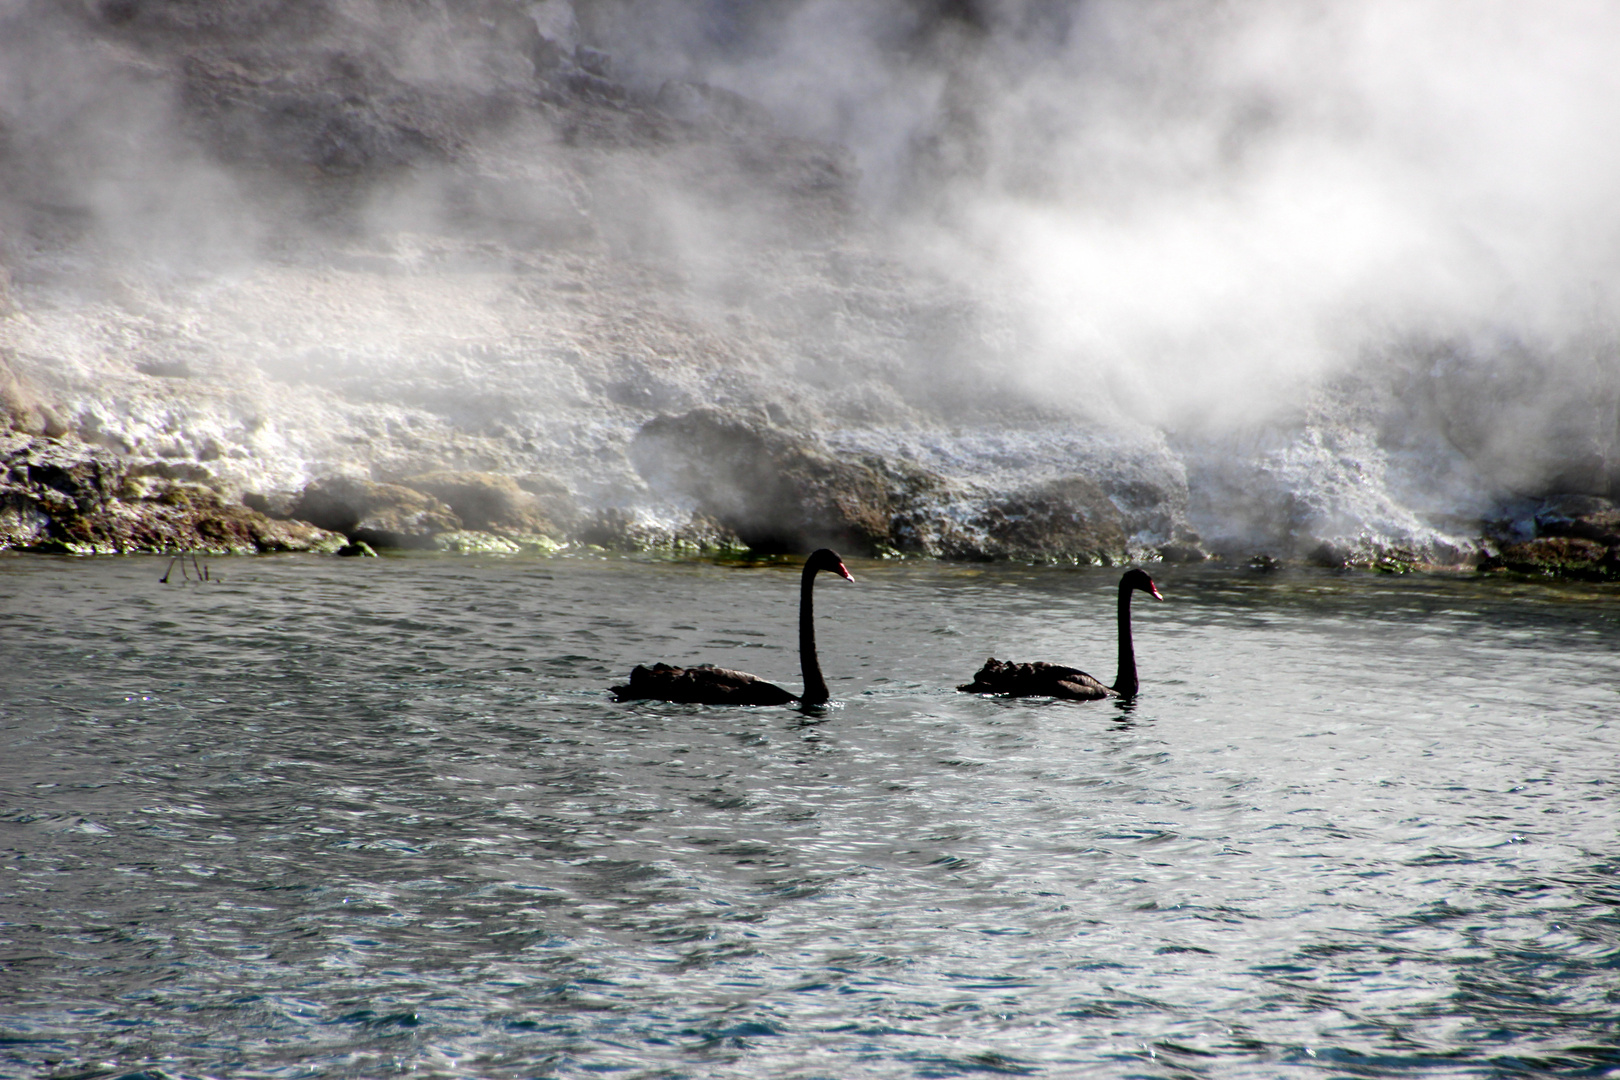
{"type": "Point", "coordinates": [1383, 231]}
{"type": "Point", "coordinates": [1202, 208]}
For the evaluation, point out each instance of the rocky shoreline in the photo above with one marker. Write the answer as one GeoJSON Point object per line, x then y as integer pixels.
{"type": "Point", "coordinates": [1574, 536]}
{"type": "Point", "coordinates": [752, 487]}
{"type": "Point", "coordinates": [463, 280]}
{"type": "Point", "coordinates": [60, 496]}
{"type": "Point", "coordinates": [755, 489]}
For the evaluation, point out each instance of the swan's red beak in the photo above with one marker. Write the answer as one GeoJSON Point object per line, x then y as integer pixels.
{"type": "Point", "coordinates": [844, 570]}
{"type": "Point", "coordinates": [1154, 589]}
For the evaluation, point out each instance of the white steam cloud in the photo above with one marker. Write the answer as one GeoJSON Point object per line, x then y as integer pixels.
{"type": "Point", "coordinates": [500, 234]}
{"type": "Point", "coordinates": [1200, 209]}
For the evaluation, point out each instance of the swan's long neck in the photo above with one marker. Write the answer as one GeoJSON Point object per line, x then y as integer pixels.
{"type": "Point", "coordinates": [1125, 680]}
{"type": "Point", "coordinates": [815, 687]}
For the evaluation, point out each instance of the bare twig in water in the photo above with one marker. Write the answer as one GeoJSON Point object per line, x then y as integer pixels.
{"type": "Point", "coordinates": [185, 574]}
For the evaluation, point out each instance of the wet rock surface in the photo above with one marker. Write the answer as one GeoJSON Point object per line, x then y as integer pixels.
{"type": "Point", "coordinates": [1068, 519]}
{"type": "Point", "coordinates": [382, 515]}
{"type": "Point", "coordinates": [1584, 517]}
{"type": "Point", "coordinates": [1560, 556]}
{"type": "Point", "coordinates": [65, 497]}
{"type": "Point", "coordinates": [1576, 536]}
{"type": "Point", "coordinates": [485, 502]}
{"type": "Point", "coordinates": [752, 485]}
{"type": "Point", "coordinates": [618, 530]}
{"type": "Point", "coordinates": [776, 490]}
{"type": "Point", "coordinates": [780, 490]}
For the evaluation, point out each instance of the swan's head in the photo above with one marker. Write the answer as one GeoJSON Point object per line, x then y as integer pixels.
{"type": "Point", "coordinates": [828, 560]}
{"type": "Point", "coordinates": [1138, 579]}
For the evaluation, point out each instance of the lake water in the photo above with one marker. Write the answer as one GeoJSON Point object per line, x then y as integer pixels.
{"type": "Point", "coordinates": [375, 817]}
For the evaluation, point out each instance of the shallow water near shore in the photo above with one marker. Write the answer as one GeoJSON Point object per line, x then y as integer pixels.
{"type": "Point", "coordinates": [370, 817]}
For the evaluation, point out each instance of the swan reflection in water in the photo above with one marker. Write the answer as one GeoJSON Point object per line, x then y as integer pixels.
{"type": "Point", "coordinates": [709, 685]}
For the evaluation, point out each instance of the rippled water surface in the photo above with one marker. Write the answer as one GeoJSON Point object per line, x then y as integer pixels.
{"type": "Point", "coordinates": [370, 817]}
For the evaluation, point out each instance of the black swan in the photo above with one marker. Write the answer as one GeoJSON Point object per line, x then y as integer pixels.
{"type": "Point", "coordinates": [706, 685]}
{"type": "Point", "coordinates": [1055, 680]}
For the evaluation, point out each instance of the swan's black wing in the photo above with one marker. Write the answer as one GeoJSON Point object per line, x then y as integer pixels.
{"type": "Point", "coordinates": [1036, 680]}
{"type": "Point", "coordinates": [701, 685]}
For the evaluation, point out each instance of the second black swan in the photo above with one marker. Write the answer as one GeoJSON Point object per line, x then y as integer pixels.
{"type": "Point", "coordinates": [1055, 680]}
{"type": "Point", "coordinates": [708, 685]}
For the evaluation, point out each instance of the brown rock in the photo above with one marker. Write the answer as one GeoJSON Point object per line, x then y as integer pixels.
{"type": "Point", "coordinates": [270, 534]}
{"type": "Point", "coordinates": [20, 406]}
{"type": "Point", "coordinates": [1559, 556]}
{"type": "Point", "coordinates": [23, 522]}
{"type": "Point", "coordinates": [1068, 519]}
{"type": "Point", "coordinates": [1602, 527]}
{"type": "Point", "coordinates": [1180, 550]}
{"type": "Point", "coordinates": [501, 504]}
{"type": "Point", "coordinates": [68, 497]}
{"type": "Point", "coordinates": [776, 490]}
{"type": "Point", "coordinates": [1585, 517]}
{"type": "Point", "coordinates": [781, 491]}
{"type": "Point", "coordinates": [382, 515]}
{"type": "Point", "coordinates": [618, 531]}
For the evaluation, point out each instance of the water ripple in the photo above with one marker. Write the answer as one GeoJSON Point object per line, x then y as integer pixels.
{"type": "Point", "coordinates": [1354, 825]}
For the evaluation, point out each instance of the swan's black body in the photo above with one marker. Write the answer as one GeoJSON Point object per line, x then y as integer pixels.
{"type": "Point", "coordinates": [706, 685]}
{"type": "Point", "coordinates": [700, 685]}
{"type": "Point", "coordinates": [1072, 684]}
